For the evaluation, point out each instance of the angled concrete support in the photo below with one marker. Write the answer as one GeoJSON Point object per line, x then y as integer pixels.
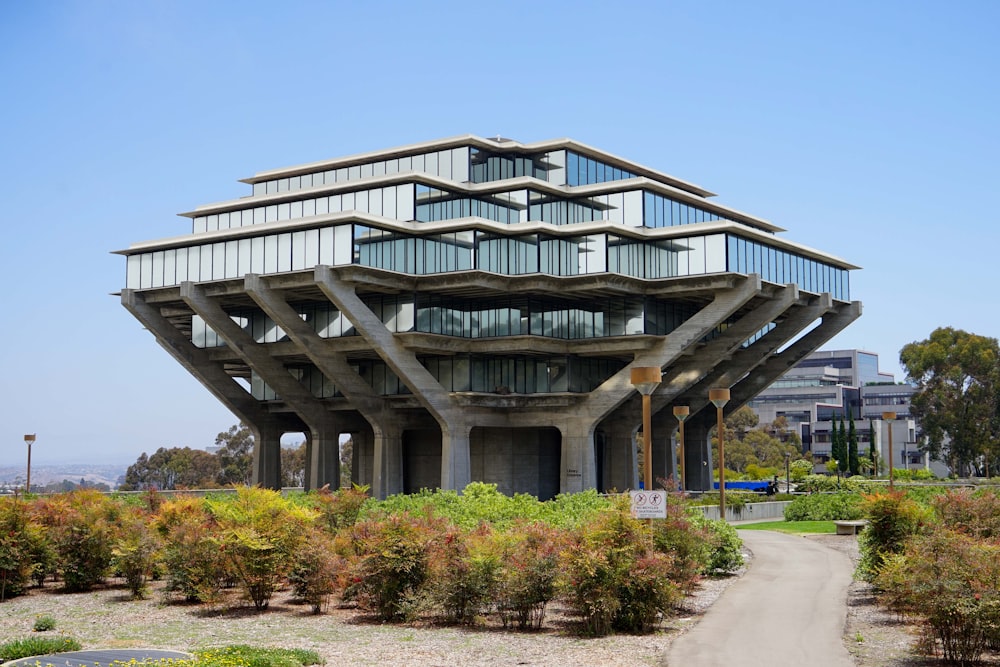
{"type": "Point", "coordinates": [318, 422]}
{"type": "Point", "coordinates": [455, 463]}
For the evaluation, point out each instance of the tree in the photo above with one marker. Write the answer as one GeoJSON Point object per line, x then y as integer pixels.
{"type": "Point", "coordinates": [235, 455]}
{"type": "Point", "coordinates": [838, 448]}
{"type": "Point", "coordinates": [958, 399]}
{"type": "Point", "coordinates": [872, 446]}
{"type": "Point", "coordinates": [177, 467]}
{"type": "Point", "coordinates": [742, 421]}
{"type": "Point", "coordinates": [346, 461]}
{"type": "Point", "coordinates": [853, 463]}
{"type": "Point", "coordinates": [293, 465]}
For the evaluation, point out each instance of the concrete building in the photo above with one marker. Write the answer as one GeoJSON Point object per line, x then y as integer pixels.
{"type": "Point", "coordinates": [471, 309]}
{"type": "Point", "coordinates": [830, 384]}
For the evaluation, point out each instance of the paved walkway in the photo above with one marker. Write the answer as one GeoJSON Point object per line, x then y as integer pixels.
{"type": "Point", "coordinates": [788, 610]}
{"type": "Point", "coordinates": [94, 658]}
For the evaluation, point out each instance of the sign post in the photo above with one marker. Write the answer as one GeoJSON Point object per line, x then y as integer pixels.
{"type": "Point", "coordinates": [649, 504]}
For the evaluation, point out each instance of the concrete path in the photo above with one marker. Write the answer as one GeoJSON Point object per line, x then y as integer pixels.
{"type": "Point", "coordinates": [788, 610]}
{"type": "Point", "coordinates": [98, 658]}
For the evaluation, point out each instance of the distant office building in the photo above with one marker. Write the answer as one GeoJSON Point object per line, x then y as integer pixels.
{"type": "Point", "coordinates": [471, 309]}
{"type": "Point", "coordinates": [832, 384]}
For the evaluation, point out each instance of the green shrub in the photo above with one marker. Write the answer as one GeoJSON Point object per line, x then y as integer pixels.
{"type": "Point", "coordinates": [136, 551]}
{"type": "Point", "coordinates": [462, 574]}
{"type": "Point", "coordinates": [727, 547]}
{"type": "Point", "coordinates": [339, 509]}
{"type": "Point", "coordinates": [259, 531]}
{"type": "Point", "coordinates": [44, 623]}
{"type": "Point", "coordinates": [950, 580]}
{"type": "Point", "coordinates": [687, 539]}
{"type": "Point", "coordinates": [892, 519]}
{"type": "Point", "coordinates": [527, 561]}
{"type": "Point", "coordinates": [315, 570]}
{"type": "Point", "coordinates": [613, 579]}
{"type": "Point", "coordinates": [388, 565]}
{"type": "Point", "coordinates": [195, 564]}
{"type": "Point", "coordinates": [825, 507]}
{"type": "Point", "coordinates": [248, 656]}
{"type": "Point", "coordinates": [976, 512]}
{"type": "Point", "coordinates": [82, 525]}
{"type": "Point", "coordinates": [22, 540]}
{"type": "Point", "coordinates": [25, 648]}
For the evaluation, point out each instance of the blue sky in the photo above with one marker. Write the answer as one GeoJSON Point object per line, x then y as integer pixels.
{"type": "Point", "coordinates": [868, 130]}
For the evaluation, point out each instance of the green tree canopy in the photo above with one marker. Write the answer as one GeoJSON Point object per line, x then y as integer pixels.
{"type": "Point", "coordinates": [957, 404]}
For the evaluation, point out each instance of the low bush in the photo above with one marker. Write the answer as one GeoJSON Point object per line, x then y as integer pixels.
{"type": "Point", "coordinates": [196, 565]}
{"type": "Point", "coordinates": [25, 648]}
{"type": "Point", "coordinates": [315, 571]}
{"type": "Point", "coordinates": [727, 547]}
{"type": "Point", "coordinates": [976, 512]}
{"type": "Point", "coordinates": [82, 526]}
{"type": "Point", "coordinates": [136, 551]}
{"type": "Point", "coordinates": [44, 623]}
{"type": "Point", "coordinates": [527, 561]}
{"type": "Point", "coordinates": [22, 541]}
{"type": "Point", "coordinates": [339, 509]}
{"type": "Point", "coordinates": [892, 519]}
{"type": "Point", "coordinates": [249, 656]}
{"type": "Point", "coordinates": [825, 507]}
{"type": "Point", "coordinates": [462, 574]}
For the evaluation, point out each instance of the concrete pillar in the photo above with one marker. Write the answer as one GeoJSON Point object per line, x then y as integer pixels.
{"type": "Point", "coordinates": [620, 461]}
{"type": "Point", "coordinates": [698, 453]}
{"type": "Point", "coordinates": [456, 467]}
{"type": "Point", "coordinates": [579, 463]}
{"type": "Point", "coordinates": [387, 468]}
{"type": "Point", "coordinates": [664, 463]}
{"type": "Point", "coordinates": [323, 459]}
{"type": "Point", "coordinates": [266, 457]}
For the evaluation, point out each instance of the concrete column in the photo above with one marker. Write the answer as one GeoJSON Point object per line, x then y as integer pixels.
{"type": "Point", "coordinates": [620, 461]}
{"type": "Point", "coordinates": [323, 460]}
{"type": "Point", "coordinates": [664, 464]}
{"type": "Point", "coordinates": [579, 464]}
{"type": "Point", "coordinates": [266, 457]}
{"type": "Point", "coordinates": [387, 468]}
{"type": "Point", "coordinates": [698, 453]}
{"type": "Point", "coordinates": [456, 466]}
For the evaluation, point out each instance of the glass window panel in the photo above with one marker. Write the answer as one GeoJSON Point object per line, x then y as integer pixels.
{"type": "Point", "coordinates": [232, 259]}
{"type": "Point", "coordinates": [218, 261]}
{"type": "Point", "coordinates": [632, 207]}
{"type": "Point", "coordinates": [271, 213]}
{"type": "Point", "coordinates": [256, 254]}
{"type": "Point", "coordinates": [258, 215]}
{"type": "Point", "coordinates": [389, 201]}
{"type": "Point", "coordinates": [272, 187]}
{"type": "Point", "coordinates": [194, 264]}
{"type": "Point", "coordinates": [298, 251]}
{"type": "Point", "coordinates": [284, 252]}
{"type": "Point", "coordinates": [294, 183]}
{"type": "Point", "coordinates": [715, 253]}
{"type": "Point", "coordinates": [367, 170]}
{"type": "Point", "coordinates": [259, 189]}
{"type": "Point", "coordinates": [244, 256]}
{"type": "Point", "coordinates": [271, 254]}
{"type": "Point", "coordinates": [212, 223]}
{"type": "Point", "coordinates": [353, 173]}
{"type": "Point", "coordinates": [322, 206]}
{"type": "Point", "coordinates": [200, 225]}
{"type": "Point", "coordinates": [343, 244]}
{"type": "Point", "coordinates": [431, 163]}
{"type": "Point", "coordinates": [340, 203]}
{"type": "Point", "coordinates": [444, 164]}
{"type": "Point", "coordinates": [378, 168]}
{"type": "Point", "coordinates": [206, 263]}
{"type": "Point", "coordinates": [405, 163]}
{"type": "Point", "coordinates": [405, 202]}
{"type": "Point", "coordinates": [418, 163]}
{"type": "Point", "coordinates": [296, 209]}
{"type": "Point", "coordinates": [361, 201]}
{"type": "Point", "coordinates": [282, 185]}
{"type": "Point", "coordinates": [157, 275]}
{"type": "Point", "coordinates": [326, 244]}
{"type": "Point", "coordinates": [284, 211]}
{"type": "Point", "coordinates": [392, 166]}
{"type": "Point", "coordinates": [460, 164]}
{"type": "Point", "coordinates": [180, 265]}
{"type": "Point", "coordinates": [329, 177]}
{"type": "Point", "coordinates": [375, 201]}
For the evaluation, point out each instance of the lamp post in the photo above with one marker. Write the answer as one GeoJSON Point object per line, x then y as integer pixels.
{"type": "Point", "coordinates": [645, 379]}
{"type": "Point", "coordinates": [682, 412]}
{"type": "Point", "coordinates": [890, 417]}
{"type": "Point", "coordinates": [788, 478]}
{"type": "Point", "coordinates": [719, 398]}
{"type": "Point", "coordinates": [29, 439]}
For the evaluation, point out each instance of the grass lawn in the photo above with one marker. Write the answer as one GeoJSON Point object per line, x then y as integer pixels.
{"type": "Point", "coordinates": [794, 527]}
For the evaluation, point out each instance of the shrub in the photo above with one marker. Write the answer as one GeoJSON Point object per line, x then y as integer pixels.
{"type": "Point", "coordinates": [339, 509]}
{"type": "Point", "coordinates": [974, 512]}
{"type": "Point", "coordinates": [195, 564]}
{"type": "Point", "coordinates": [83, 526]}
{"type": "Point", "coordinates": [315, 570]}
{"type": "Point", "coordinates": [136, 551]}
{"type": "Point", "coordinates": [44, 623]}
{"type": "Point", "coordinates": [614, 581]}
{"type": "Point", "coordinates": [951, 580]}
{"type": "Point", "coordinates": [727, 547]}
{"type": "Point", "coordinates": [462, 574]}
{"type": "Point", "coordinates": [825, 507]}
{"type": "Point", "coordinates": [389, 563]}
{"type": "Point", "coordinates": [259, 531]}
{"type": "Point", "coordinates": [687, 539]}
{"type": "Point", "coordinates": [892, 519]}
{"type": "Point", "coordinates": [22, 541]}
{"type": "Point", "coordinates": [25, 648]}
{"type": "Point", "coordinates": [240, 654]}
{"type": "Point", "coordinates": [527, 558]}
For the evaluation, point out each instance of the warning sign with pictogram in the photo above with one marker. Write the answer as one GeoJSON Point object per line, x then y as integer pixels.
{"type": "Point", "coordinates": [649, 504]}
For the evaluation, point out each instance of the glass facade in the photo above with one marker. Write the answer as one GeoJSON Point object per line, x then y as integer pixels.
{"type": "Point", "coordinates": [465, 250]}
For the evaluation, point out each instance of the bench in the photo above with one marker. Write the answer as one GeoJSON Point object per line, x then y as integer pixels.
{"type": "Point", "coordinates": [850, 527]}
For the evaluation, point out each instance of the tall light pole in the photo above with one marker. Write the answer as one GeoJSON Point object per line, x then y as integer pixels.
{"type": "Point", "coordinates": [719, 398]}
{"type": "Point", "coordinates": [682, 412]}
{"type": "Point", "coordinates": [29, 439]}
{"type": "Point", "coordinates": [646, 379]}
{"type": "Point", "coordinates": [788, 479]}
{"type": "Point", "coordinates": [890, 417]}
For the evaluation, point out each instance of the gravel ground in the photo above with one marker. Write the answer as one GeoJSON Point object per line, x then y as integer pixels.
{"type": "Point", "coordinates": [109, 619]}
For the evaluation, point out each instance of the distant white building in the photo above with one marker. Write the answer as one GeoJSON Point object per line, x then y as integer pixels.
{"type": "Point", "coordinates": [832, 384]}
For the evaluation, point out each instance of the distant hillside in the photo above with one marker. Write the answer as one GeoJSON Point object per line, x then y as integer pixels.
{"type": "Point", "coordinates": [74, 472]}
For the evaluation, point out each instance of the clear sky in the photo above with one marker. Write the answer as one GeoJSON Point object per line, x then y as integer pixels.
{"type": "Point", "coordinates": [866, 129]}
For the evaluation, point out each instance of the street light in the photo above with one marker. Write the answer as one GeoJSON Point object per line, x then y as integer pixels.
{"type": "Point", "coordinates": [788, 479]}
{"type": "Point", "coordinates": [682, 412]}
{"type": "Point", "coordinates": [890, 417]}
{"type": "Point", "coordinates": [646, 379]}
{"type": "Point", "coordinates": [719, 398]}
{"type": "Point", "coordinates": [29, 439]}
